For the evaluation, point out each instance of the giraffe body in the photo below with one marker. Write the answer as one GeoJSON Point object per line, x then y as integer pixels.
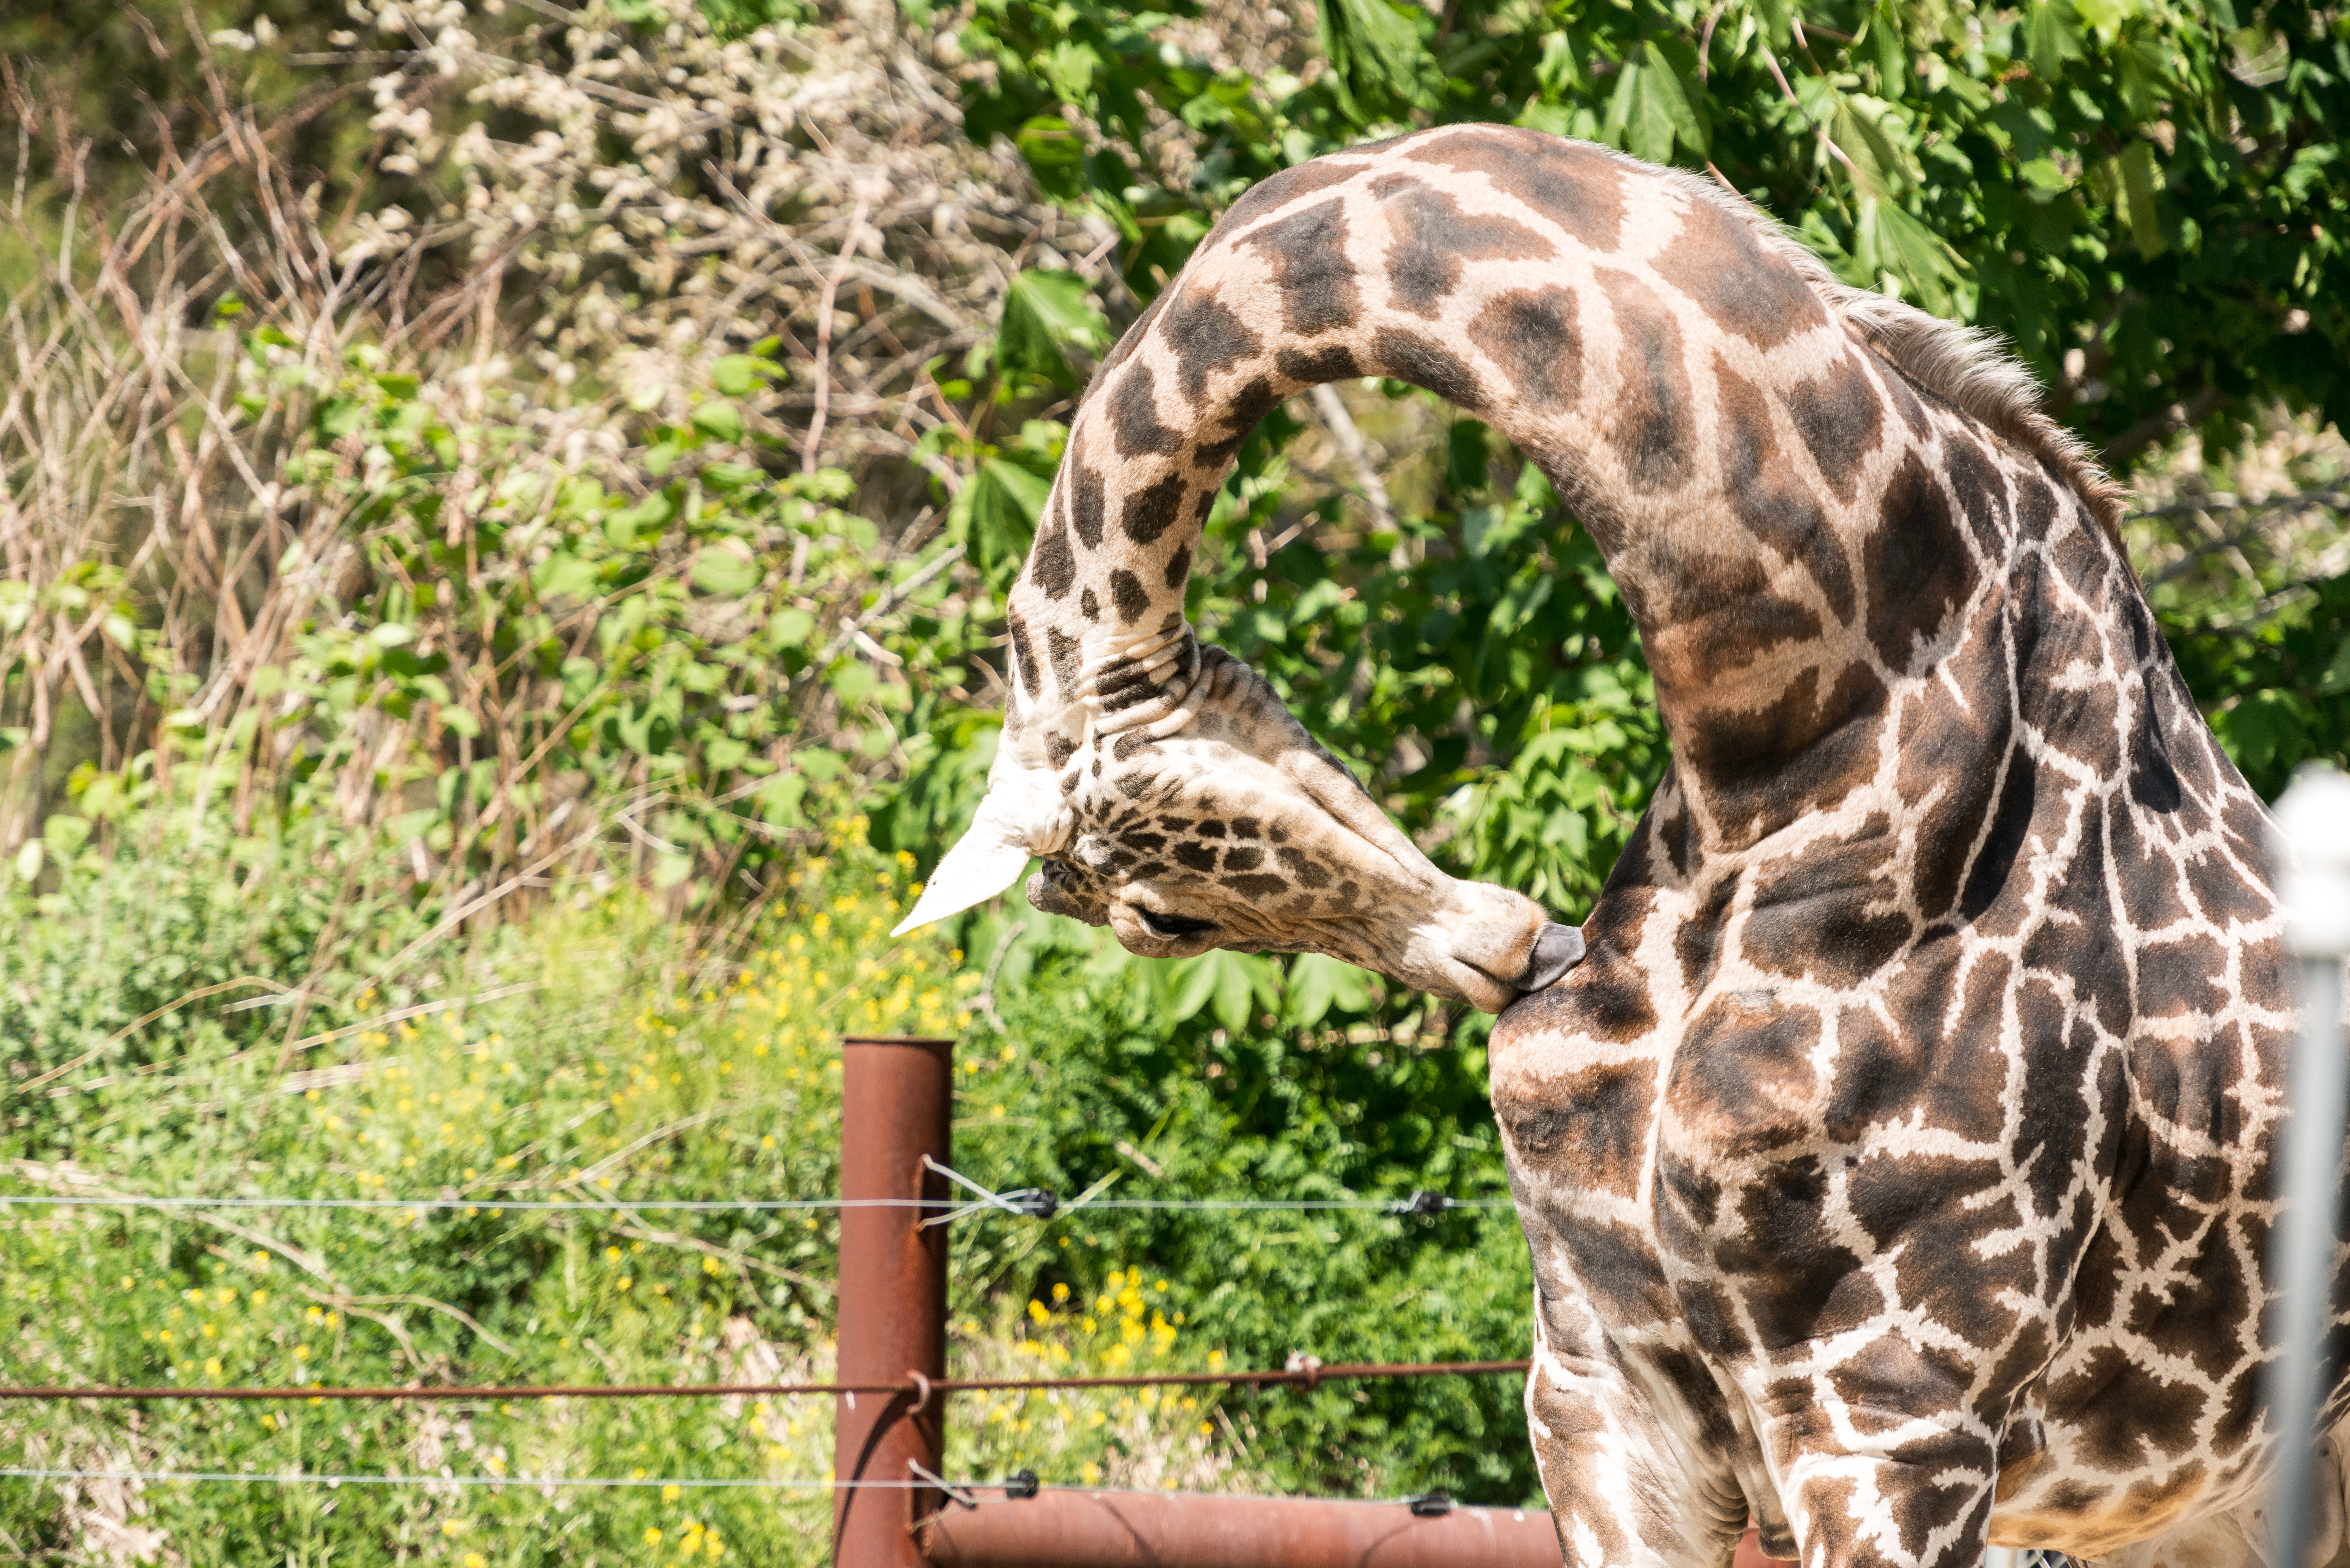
{"type": "Point", "coordinates": [1893, 1150]}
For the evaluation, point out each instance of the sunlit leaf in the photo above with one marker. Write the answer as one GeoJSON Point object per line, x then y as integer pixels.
{"type": "Point", "coordinates": [1043, 313]}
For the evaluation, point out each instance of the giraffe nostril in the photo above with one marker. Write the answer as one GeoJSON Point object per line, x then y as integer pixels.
{"type": "Point", "coordinates": [1172, 928]}
{"type": "Point", "coordinates": [1556, 949]}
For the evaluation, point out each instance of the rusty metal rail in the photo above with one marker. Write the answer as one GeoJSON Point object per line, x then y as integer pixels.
{"type": "Point", "coordinates": [1149, 1530]}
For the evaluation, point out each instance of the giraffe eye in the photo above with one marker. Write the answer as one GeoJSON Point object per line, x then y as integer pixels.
{"type": "Point", "coordinates": [1172, 928]}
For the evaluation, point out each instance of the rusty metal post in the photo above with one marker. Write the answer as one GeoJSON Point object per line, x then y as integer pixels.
{"type": "Point", "coordinates": [896, 1097]}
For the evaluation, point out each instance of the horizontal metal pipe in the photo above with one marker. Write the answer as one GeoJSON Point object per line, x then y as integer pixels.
{"type": "Point", "coordinates": [1150, 1529]}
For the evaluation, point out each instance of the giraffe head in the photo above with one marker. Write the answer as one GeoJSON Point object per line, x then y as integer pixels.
{"type": "Point", "coordinates": [1222, 824]}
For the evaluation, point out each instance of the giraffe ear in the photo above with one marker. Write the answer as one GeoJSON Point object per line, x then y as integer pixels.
{"type": "Point", "coordinates": [1017, 819]}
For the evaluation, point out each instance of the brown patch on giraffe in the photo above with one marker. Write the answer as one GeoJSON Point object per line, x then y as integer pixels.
{"type": "Point", "coordinates": [2036, 508]}
{"type": "Point", "coordinates": [1433, 241]}
{"type": "Point", "coordinates": [1917, 562]}
{"type": "Point", "coordinates": [1711, 1312]}
{"type": "Point", "coordinates": [1666, 825]}
{"type": "Point", "coordinates": [1718, 262]}
{"type": "Point", "coordinates": [1531, 334]}
{"type": "Point", "coordinates": [1951, 750]}
{"type": "Point", "coordinates": [1836, 412]}
{"type": "Point", "coordinates": [1651, 423]}
{"type": "Point", "coordinates": [2152, 884]}
{"type": "Point", "coordinates": [1307, 253]}
{"type": "Point", "coordinates": [1424, 362]}
{"type": "Point", "coordinates": [2224, 895]}
{"type": "Point", "coordinates": [1125, 591]}
{"type": "Point", "coordinates": [1979, 492]}
{"type": "Point", "coordinates": [1699, 1395]}
{"type": "Point", "coordinates": [1179, 567]}
{"type": "Point", "coordinates": [1800, 1284]}
{"type": "Point", "coordinates": [1903, 394]}
{"type": "Point", "coordinates": [1722, 616]}
{"type": "Point", "coordinates": [1308, 872]}
{"type": "Point", "coordinates": [2014, 1471]}
{"type": "Point", "coordinates": [1769, 498]}
{"type": "Point", "coordinates": [1580, 189]}
{"type": "Point", "coordinates": [1134, 424]}
{"type": "Point", "coordinates": [1087, 509]}
{"type": "Point", "coordinates": [2185, 978]}
{"type": "Point", "coordinates": [1151, 511]}
{"type": "Point", "coordinates": [1068, 661]}
{"type": "Point", "coordinates": [1124, 347]}
{"type": "Point", "coordinates": [1246, 406]}
{"type": "Point", "coordinates": [1879, 1381]}
{"type": "Point", "coordinates": [1024, 657]}
{"type": "Point", "coordinates": [1741, 1082]}
{"type": "Point", "coordinates": [1803, 751]}
{"type": "Point", "coordinates": [2127, 1408]}
{"type": "Point", "coordinates": [1697, 940]}
{"type": "Point", "coordinates": [1261, 886]}
{"type": "Point", "coordinates": [1616, 1265]}
{"type": "Point", "coordinates": [1311, 368]}
{"type": "Point", "coordinates": [1993, 877]}
{"type": "Point", "coordinates": [1207, 337]}
{"type": "Point", "coordinates": [1289, 185]}
{"type": "Point", "coordinates": [1051, 565]}
{"type": "Point", "coordinates": [2153, 783]}
{"type": "Point", "coordinates": [1813, 914]}
{"type": "Point", "coordinates": [1058, 749]}
{"type": "Point", "coordinates": [1592, 1125]}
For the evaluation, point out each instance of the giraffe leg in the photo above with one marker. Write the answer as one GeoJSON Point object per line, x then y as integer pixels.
{"type": "Point", "coordinates": [1630, 1484]}
{"type": "Point", "coordinates": [1922, 1501]}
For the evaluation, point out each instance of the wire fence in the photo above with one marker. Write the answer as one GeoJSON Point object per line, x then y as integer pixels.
{"type": "Point", "coordinates": [1034, 1203]}
{"type": "Point", "coordinates": [1418, 1204]}
{"type": "Point", "coordinates": [1306, 1374]}
{"type": "Point", "coordinates": [333, 1479]}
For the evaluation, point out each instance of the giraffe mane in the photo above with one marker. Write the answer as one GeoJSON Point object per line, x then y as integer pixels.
{"type": "Point", "coordinates": [1970, 367]}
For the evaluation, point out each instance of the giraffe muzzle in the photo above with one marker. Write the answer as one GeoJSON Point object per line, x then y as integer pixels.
{"type": "Point", "coordinates": [1556, 949]}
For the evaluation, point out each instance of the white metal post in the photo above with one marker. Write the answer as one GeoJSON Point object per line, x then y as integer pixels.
{"type": "Point", "coordinates": [2313, 825]}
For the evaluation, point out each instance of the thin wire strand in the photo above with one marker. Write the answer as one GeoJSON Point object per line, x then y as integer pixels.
{"type": "Point", "coordinates": [721, 1205]}
{"type": "Point", "coordinates": [684, 1483]}
{"type": "Point", "coordinates": [1306, 1377]}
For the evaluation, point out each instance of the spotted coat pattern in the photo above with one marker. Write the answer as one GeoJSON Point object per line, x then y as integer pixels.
{"type": "Point", "coordinates": [1896, 1165]}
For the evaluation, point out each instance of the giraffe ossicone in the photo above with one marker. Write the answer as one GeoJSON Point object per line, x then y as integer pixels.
{"type": "Point", "coordinates": [1895, 1161]}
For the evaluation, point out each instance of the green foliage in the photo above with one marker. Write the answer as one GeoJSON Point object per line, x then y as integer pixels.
{"type": "Point", "coordinates": [597, 1052]}
{"type": "Point", "coordinates": [2278, 692]}
{"type": "Point", "coordinates": [553, 643]}
{"type": "Point", "coordinates": [1043, 311]}
{"type": "Point", "coordinates": [2156, 186]}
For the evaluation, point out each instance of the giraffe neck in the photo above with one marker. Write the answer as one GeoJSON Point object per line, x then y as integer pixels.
{"type": "Point", "coordinates": [1787, 511]}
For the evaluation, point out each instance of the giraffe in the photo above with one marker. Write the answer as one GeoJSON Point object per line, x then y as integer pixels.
{"type": "Point", "coordinates": [1892, 1139]}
